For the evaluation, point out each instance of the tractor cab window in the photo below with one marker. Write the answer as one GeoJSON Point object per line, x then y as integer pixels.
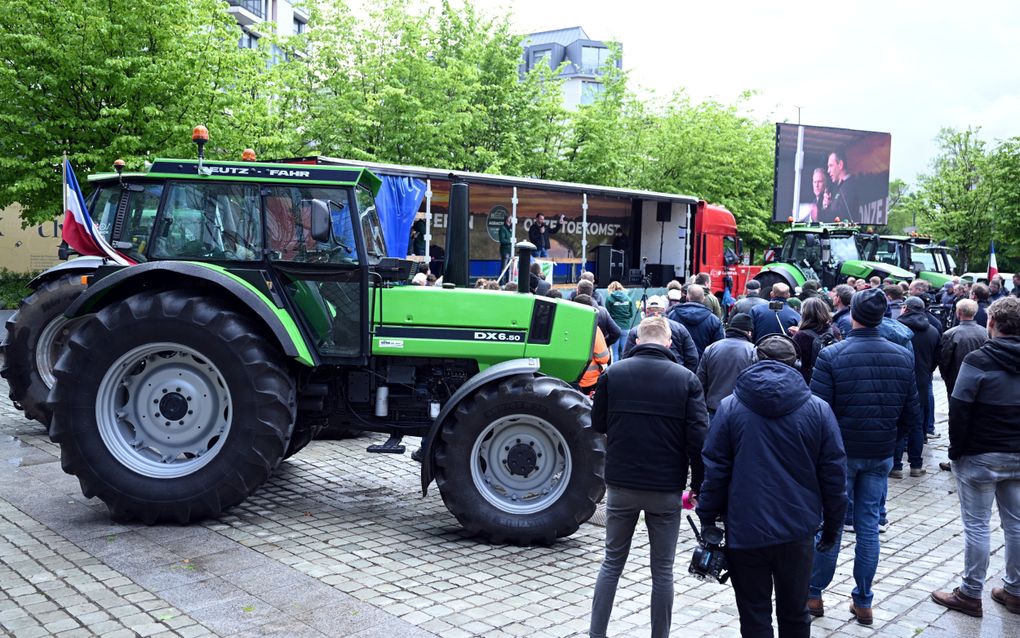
{"type": "Point", "coordinates": [103, 209]}
{"type": "Point", "coordinates": [884, 250]}
{"type": "Point", "coordinates": [289, 225]}
{"type": "Point", "coordinates": [925, 258]}
{"type": "Point", "coordinates": [843, 248]}
{"type": "Point", "coordinates": [138, 219]}
{"type": "Point", "coordinates": [950, 263]}
{"type": "Point", "coordinates": [375, 245]}
{"type": "Point", "coordinates": [802, 248]}
{"type": "Point", "coordinates": [210, 221]}
{"type": "Point", "coordinates": [730, 257]}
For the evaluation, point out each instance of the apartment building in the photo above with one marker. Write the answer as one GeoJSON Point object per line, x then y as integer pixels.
{"type": "Point", "coordinates": [584, 60]}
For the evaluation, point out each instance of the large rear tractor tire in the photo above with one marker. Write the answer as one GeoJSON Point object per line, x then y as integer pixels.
{"type": "Point", "coordinates": [769, 279]}
{"type": "Point", "coordinates": [518, 461]}
{"type": "Point", "coordinates": [171, 407]}
{"type": "Point", "coordinates": [36, 334]}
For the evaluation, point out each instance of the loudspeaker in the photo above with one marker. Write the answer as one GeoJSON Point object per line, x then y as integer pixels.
{"type": "Point", "coordinates": [608, 264]}
{"type": "Point", "coordinates": [634, 276]}
{"type": "Point", "coordinates": [660, 274]}
{"type": "Point", "coordinates": [664, 212]}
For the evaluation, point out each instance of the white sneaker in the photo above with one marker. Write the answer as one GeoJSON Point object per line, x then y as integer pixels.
{"type": "Point", "coordinates": [882, 528]}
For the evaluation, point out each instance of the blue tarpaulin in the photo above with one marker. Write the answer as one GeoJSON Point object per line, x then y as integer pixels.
{"type": "Point", "coordinates": [397, 202]}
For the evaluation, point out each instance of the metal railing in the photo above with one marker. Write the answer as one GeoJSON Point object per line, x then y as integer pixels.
{"type": "Point", "coordinates": [257, 7]}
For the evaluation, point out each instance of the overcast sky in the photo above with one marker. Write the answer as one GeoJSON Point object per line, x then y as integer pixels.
{"type": "Point", "coordinates": [903, 67]}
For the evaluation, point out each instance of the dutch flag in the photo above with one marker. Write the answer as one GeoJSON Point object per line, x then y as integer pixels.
{"type": "Point", "coordinates": [79, 231]}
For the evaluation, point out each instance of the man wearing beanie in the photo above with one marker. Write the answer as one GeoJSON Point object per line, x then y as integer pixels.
{"type": "Point", "coordinates": [773, 427]}
{"type": "Point", "coordinates": [724, 360]}
{"type": "Point", "coordinates": [869, 383]}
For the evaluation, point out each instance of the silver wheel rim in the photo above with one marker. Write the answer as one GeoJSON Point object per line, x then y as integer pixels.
{"type": "Point", "coordinates": [163, 410]}
{"type": "Point", "coordinates": [50, 344]}
{"type": "Point", "coordinates": [520, 464]}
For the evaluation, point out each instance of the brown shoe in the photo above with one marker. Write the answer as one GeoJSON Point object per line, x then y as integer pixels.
{"type": "Point", "coordinates": [999, 595]}
{"type": "Point", "coordinates": [959, 601]}
{"type": "Point", "coordinates": [862, 614]}
{"type": "Point", "coordinates": [815, 607]}
{"type": "Point", "coordinates": [946, 465]}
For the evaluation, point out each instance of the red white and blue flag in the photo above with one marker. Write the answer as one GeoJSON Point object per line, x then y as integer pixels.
{"type": "Point", "coordinates": [80, 232]}
{"type": "Point", "coordinates": [993, 267]}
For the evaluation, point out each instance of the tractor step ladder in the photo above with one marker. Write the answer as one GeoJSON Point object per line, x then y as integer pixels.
{"type": "Point", "coordinates": [391, 446]}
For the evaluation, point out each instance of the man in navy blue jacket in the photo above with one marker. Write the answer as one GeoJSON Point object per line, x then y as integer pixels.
{"type": "Point", "coordinates": [870, 385]}
{"type": "Point", "coordinates": [654, 417]}
{"type": "Point", "coordinates": [772, 426]}
{"type": "Point", "coordinates": [774, 322]}
{"type": "Point", "coordinates": [704, 326]}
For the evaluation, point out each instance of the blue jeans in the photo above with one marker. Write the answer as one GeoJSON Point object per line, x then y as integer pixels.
{"type": "Point", "coordinates": [662, 518]}
{"type": "Point", "coordinates": [867, 480]}
{"type": "Point", "coordinates": [542, 252]}
{"type": "Point", "coordinates": [981, 479]}
{"type": "Point", "coordinates": [913, 445]}
{"type": "Point", "coordinates": [619, 345]}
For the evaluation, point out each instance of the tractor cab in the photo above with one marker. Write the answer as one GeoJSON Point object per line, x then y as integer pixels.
{"type": "Point", "coordinates": [915, 252]}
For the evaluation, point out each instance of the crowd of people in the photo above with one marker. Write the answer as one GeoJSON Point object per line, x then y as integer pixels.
{"type": "Point", "coordinates": [801, 413]}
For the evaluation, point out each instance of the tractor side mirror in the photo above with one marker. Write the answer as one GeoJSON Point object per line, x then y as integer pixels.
{"type": "Point", "coordinates": [321, 224]}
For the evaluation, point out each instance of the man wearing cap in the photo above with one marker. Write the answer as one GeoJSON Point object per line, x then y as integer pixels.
{"type": "Point", "coordinates": [870, 385]}
{"type": "Point", "coordinates": [704, 326]}
{"type": "Point", "coordinates": [751, 298]}
{"type": "Point", "coordinates": [724, 360]}
{"type": "Point", "coordinates": [774, 322]}
{"type": "Point", "coordinates": [682, 347]}
{"type": "Point", "coordinates": [925, 342]}
{"type": "Point", "coordinates": [792, 438]}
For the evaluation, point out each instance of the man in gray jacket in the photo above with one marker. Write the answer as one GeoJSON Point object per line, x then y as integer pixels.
{"type": "Point", "coordinates": [959, 341]}
{"type": "Point", "coordinates": [724, 360]}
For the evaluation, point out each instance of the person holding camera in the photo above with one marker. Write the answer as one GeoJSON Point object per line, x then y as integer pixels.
{"type": "Point", "coordinates": [654, 431]}
{"type": "Point", "coordinates": [792, 437]}
{"type": "Point", "coordinates": [776, 317]}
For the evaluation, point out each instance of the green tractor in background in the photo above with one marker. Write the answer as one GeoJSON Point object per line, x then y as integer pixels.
{"type": "Point", "coordinates": [918, 253]}
{"type": "Point", "coordinates": [263, 306]}
{"type": "Point", "coordinates": [826, 252]}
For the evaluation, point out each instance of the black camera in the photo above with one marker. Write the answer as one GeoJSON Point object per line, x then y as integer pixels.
{"type": "Point", "coordinates": [709, 559]}
{"type": "Point", "coordinates": [776, 306]}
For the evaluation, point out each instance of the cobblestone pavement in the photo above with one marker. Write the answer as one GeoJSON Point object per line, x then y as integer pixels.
{"type": "Point", "coordinates": [340, 543]}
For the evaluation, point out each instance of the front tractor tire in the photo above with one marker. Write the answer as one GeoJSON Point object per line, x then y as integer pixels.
{"type": "Point", "coordinates": [171, 407]}
{"type": "Point", "coordinates": [36, 335]}
{"type": "Point", "coordinates": [518, 461]}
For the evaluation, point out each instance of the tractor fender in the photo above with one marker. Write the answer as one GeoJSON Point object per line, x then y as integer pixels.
{"type": "Point", "coordinates": [783, 270]}
{"type": "Point", "coordinates": [79, 264]}
{"type": "Point", "coordinates": [490, 374]}
{"type": "Point", "coordinates": [175, 275]}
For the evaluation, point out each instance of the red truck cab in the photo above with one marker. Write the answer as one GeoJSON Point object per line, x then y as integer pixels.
{"type": "Point", "coordinates": [717, 249]}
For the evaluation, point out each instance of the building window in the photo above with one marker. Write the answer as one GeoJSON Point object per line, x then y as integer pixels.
{"type": "Point", "coordinates": [590, 91]}
{"type": "Point", "coordinates": [593, 59]}
{"type": "Point", "coordinates": [299, 26]}
{"type": "Point", "coordinates": [539, 57]}
{"type": "Point", "coordinates": [248, 40]}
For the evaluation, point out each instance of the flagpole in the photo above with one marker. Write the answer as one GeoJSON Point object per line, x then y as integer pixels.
{"type": "Point", "coordinates": [63, 183]}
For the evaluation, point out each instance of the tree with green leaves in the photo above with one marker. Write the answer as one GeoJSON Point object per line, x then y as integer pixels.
{"type": "Point", "coordinates": [115, 79]}
{"type": "Point", "coordinates": [954, 199]}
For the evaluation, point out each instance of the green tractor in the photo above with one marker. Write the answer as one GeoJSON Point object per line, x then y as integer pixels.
{"type": "Point", "coordinates": [264, 306]}
{"type": "Point", "coordinates": [826, 252]}
{"type": "Point", "coordinates": [918, 253]}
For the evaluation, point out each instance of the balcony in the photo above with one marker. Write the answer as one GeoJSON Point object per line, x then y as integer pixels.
{"type": "Point", "coordinates": [248, 12]}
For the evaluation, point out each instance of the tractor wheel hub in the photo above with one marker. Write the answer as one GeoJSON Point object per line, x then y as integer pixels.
{"type": "Point", "coordinates": [521, 460]}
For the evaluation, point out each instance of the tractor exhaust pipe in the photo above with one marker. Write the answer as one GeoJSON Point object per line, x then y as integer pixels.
{"type": "Point", "coordinates": [524, 251]}
{"type": "Point", "coordinates": [458, 236]}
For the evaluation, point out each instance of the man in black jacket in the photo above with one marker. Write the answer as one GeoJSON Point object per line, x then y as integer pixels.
{"type": "Point", "coordinates": [966, 337]}
{"type": "Point", "coordinates": [772, 426]}
{"type": "Point", "coordinates": [925, 341]}
{"type": "Point", "coordinates": [984, 444]}
{"type": "Point", "coordinates": [653, 414]}
{"type": "Point", "coordinates": [539, 231]}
